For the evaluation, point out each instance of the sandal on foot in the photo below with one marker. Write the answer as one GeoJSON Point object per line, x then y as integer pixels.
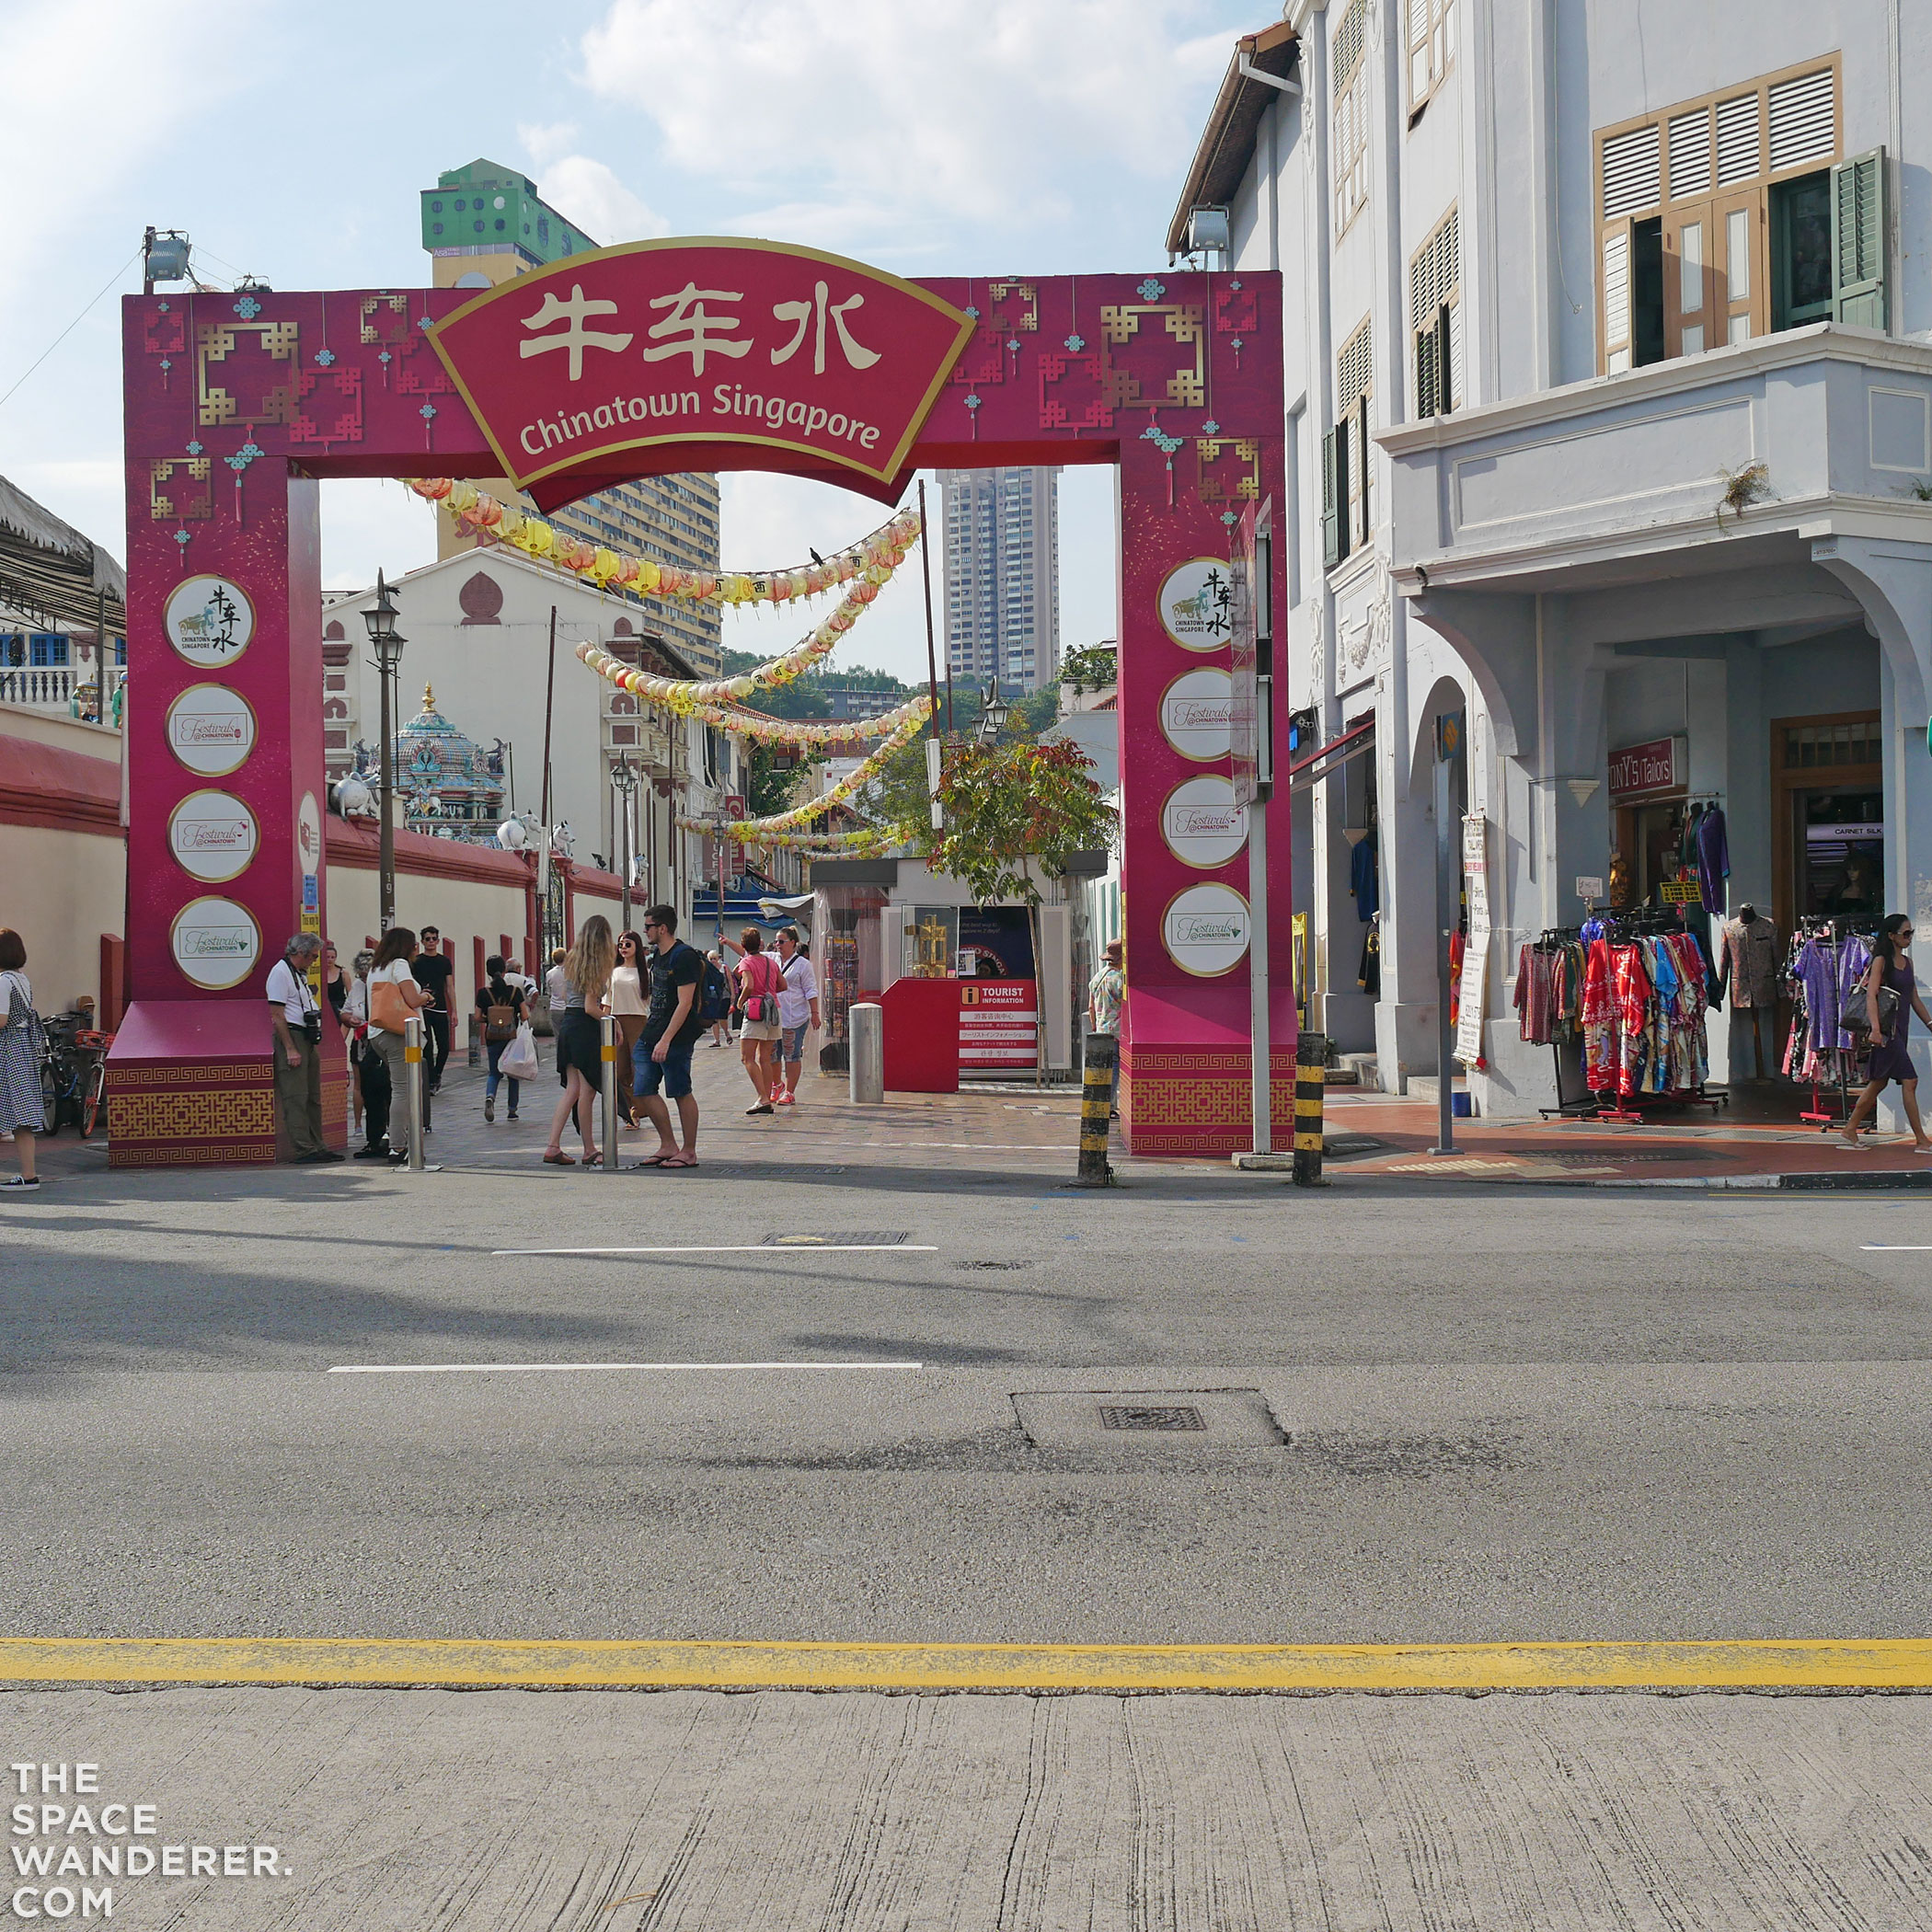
{"type": "Point", "coordinates": [677, 1160]}
{"type": "Point", "coordinates": [561, 1160]}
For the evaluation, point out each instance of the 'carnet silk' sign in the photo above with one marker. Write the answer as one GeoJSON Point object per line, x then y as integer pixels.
{"type": "Point", "coordinates": [701, 341]}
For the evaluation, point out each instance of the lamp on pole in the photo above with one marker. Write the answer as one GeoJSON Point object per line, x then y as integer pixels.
{"type": "Point", "coordinates": [993, 716]}
{"type": "Point", "coordinates": [624, 781]}
{"type": "Point", "coordinates": [381, 619]}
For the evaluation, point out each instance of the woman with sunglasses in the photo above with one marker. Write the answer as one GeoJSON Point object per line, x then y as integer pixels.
{"type": "Point", "coordinates": [1889, 1022]}
{"type": "Point", "coordinates": [630, 1001]}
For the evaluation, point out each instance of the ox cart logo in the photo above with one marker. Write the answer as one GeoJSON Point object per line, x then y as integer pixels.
{"type": "Point", "coordinates": [1197, 605]}
{"type": "Point", "coordinates": [209, 620]}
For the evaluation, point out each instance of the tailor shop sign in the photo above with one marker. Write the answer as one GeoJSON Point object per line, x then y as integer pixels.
{"type": "Point", "coordinates": [696, 341]}
{"type": "Point", "coordinates": [1655, 769]}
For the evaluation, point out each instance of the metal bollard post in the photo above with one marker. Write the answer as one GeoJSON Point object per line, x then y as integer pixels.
{"type": "Point", "coordinates": [1311, 1057]}
{"type": "Point", "coordinates": [865, 1030]}
{"type": "Point", "coordinates": [412, 1065]}
{"type": "Point", "coordinates": [607, 1050]}
{"type": "Point", "coordinates": [1101, 1058]}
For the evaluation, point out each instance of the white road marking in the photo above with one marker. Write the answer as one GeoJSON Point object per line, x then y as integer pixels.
{"type": "Point", "coordinates": [1897, 1247]}
{"type": "Point", "coordinates": [557, 1368]}
{"type": "Point", "coordinates": [746, 1248]}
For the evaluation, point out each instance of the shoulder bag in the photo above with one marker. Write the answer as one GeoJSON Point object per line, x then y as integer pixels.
{"type": "Point", "coordinates": [761, 1005]}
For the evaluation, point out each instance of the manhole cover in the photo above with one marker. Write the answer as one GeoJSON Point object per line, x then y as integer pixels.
{"type": "Point", "coordinates": [1003, 1266]}
{"type": "Point", "coordinates": [1120, 1416]}
{"type": "Point", "coordinates": [1184, 1421]}
{"type": "Point", "coordinates": [863, 1238]}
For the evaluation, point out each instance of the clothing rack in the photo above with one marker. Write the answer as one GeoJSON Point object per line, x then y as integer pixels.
{"type": "Point", "coordinates": [1576, 1109]}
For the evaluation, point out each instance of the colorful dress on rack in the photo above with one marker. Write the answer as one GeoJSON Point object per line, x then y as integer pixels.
{"type": "Point", "coordinates": [1599, 1011]}
{"type": "Point", "coordinates": [1631, 1005]}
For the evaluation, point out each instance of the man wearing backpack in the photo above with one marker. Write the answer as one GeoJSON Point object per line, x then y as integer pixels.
{"type": "Point", "coordinates": [501, 1005]}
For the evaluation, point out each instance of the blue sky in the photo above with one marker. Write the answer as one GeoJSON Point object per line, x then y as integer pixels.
{"type": "Point", "coordinates": [927, 136]}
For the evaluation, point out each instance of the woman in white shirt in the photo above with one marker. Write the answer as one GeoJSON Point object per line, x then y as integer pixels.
{"type": "Point", "coordinates": [392, 995]}
{"type": "Point", "coordinates": [629, 1002]}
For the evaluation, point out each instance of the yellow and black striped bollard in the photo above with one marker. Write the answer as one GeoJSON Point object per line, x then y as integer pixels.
{"type": "Point", "coordinates": [1311, 1054]}
{"type": "Point", "coordinates": [1096, 1110]}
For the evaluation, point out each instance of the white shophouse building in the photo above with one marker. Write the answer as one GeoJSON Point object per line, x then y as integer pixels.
{"type": "Point", "coordinates": [1557, 274]}
{"type": "Point", "coordinates": [477, 626]}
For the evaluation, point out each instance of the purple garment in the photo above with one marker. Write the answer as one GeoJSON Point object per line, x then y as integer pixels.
{"type": "Point", "coordinates": [1819, 974]}
{"type": "Point", "coordinates": [1853, 959]}
{"type": "Point", "coordinates": [1713, 858]}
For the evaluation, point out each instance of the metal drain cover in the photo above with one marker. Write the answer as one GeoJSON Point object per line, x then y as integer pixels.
{"type": "Point", "coordinates": [1173, 1415]}
{"type": "Point", "coordinates": [864, 1238]}
{"type": "Point", "coordinates": [1137, 1418]}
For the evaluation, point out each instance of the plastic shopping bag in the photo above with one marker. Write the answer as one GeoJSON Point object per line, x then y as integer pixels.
{"type": "Point", "coordinates": [518, 1059]}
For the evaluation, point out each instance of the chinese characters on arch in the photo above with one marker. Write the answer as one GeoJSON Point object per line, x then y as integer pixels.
{"type": "Point", "coordinates": [693, 342]}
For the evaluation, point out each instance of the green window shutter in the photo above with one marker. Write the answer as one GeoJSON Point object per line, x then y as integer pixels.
{"type": "Point", "coordinates": [1859, 240]}
{"type": "Point", "coordinates": [1334, 495]}
{"type": "Point", "coordinates": [1429, 378]}
{"type": "Point", "coordinates": [1444, 360]}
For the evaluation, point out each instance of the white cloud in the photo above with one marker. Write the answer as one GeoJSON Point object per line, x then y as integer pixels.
{"type": "Point", "coordinates": [586, 190]}
{"type": "Point", "coordinates": [95, 85]}
{"type": "Point", "coordinates": [589, 194]}
{"type": "Point", "coordinates": [972, 109]}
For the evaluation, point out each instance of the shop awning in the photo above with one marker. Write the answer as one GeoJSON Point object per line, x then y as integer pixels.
{"type": "Point", "coordinates": [1328, 759]}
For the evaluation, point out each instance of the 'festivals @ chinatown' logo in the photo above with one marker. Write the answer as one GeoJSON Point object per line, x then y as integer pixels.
{"type": "Point", "coordinates": [1194, 713]}
{"type": "Point", "coordinates": [701, 341]}
{"type": "Point", "coordinates": [213, 837]}
{"type": "Point", "coordinates": [1202, 821]}
{"type": "Point", "coordinates": [211, 730]}
{"type": "Point", "coordinates": [215, 943]}
{"type": "Point", "coordinates": [1205, 929]}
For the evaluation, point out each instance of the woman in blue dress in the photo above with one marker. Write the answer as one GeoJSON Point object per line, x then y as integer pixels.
{"type": "Point", "coordinates": [1890, 1052]}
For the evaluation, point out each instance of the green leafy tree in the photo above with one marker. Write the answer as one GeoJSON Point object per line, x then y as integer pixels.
{"type": "Point", "coordinates": [1011, 808]}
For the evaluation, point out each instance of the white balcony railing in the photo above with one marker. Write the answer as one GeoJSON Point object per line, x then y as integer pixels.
{"type": "Point", "coordinates": [52, 688]}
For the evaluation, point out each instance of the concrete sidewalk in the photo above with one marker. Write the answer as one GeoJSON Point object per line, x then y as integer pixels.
{"type": "Point", "coordinates": [1016, 1128]}
{"type": "Point", "coordinates": [696, 1811]}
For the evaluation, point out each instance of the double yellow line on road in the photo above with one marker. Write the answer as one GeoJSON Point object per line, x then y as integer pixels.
{"type": "Point", "coordinates": [1824, 1664]}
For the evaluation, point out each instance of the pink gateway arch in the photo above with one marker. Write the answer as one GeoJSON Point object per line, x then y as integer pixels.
{"type": "Point", "coordinates": [733, 355]}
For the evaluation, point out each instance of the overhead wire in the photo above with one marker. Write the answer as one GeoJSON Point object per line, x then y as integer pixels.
{"type": "Point", "coordinates": [70, 328]}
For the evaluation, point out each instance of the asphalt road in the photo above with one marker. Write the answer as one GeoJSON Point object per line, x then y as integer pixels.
{"type": "Point", "coordinates": [1483, 1413]}
{"type": "Point", "coordinates": [350, 1404]}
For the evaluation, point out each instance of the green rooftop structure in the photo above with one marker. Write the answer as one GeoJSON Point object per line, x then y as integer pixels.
{"type": "Point", "coordinates": [488, 209]}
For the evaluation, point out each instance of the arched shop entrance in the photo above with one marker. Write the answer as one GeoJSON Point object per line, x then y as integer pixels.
{"type": "Point", "coordinates": [638, 360]}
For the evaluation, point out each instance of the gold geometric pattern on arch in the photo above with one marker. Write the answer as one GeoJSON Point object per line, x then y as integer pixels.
{"type": "Point", "coordinates": [215, 1073]}
{"type": "Point", "coordinates": [192, 1116]}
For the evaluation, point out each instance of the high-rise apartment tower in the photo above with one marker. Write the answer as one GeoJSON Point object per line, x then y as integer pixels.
{"type": "Point", "coordinates": [1003, 576]}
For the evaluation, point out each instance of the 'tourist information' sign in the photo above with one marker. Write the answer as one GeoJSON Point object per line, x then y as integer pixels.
{"type": "Point", "coordinates": [701, 341]}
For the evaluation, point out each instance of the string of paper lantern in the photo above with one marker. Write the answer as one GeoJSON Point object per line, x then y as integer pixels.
{"type": "Point", "coordinates": [775, 829]}
{"type": "Point", "coordinates": [475, 511]}
{"type": "Point", "coordinates": [683, 694]}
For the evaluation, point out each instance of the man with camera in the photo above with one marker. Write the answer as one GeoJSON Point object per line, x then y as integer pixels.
{"type": "Point", "coordinates": [298, 1041]}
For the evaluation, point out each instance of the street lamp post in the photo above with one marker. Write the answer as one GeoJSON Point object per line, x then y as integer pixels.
{"type": "Point", "coordinates": [623, 781]}
{"type": "Point", "coordinates": [388, 642]}
{"type": "Point", "coordinates": [992, 717]}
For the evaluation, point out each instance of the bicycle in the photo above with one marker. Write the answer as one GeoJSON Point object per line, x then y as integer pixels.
{"type": "Point", "coordinates": [73, 1075]}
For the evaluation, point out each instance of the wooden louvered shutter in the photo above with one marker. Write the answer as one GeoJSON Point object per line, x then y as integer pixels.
{"type": "Point", "coordinates": [1618, 267]}
{"type": "Point", "coordinates": [1859, 241]}
{"type": "Point", "coordinates": [1334, 494]}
